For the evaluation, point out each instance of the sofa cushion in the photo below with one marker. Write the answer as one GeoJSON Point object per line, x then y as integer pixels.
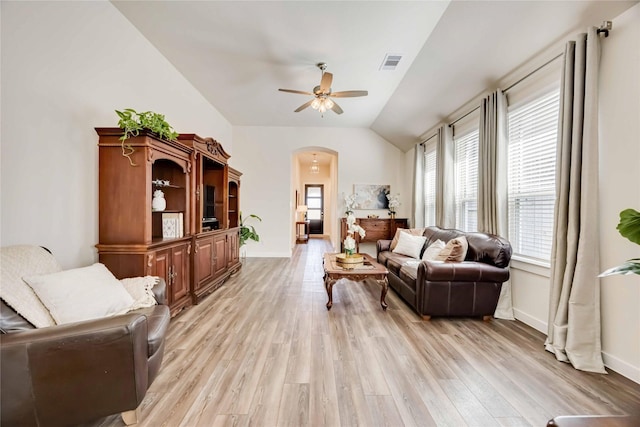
{"type": "Point", "coordinates": [395, 262]}
{"type": "Point", "coordinates": [412, 231]}
{"type": "Point", "coordinates": [454, 251]}
{"type": "Point", "coordinates": [409, 245]}
{"type": "Point", "coordinates": [16, 262]}
{"type": "Point", "coordinates": [81, 293]}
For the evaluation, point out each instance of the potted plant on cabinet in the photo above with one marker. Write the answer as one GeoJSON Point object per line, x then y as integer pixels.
{"type": "Point", "coordinates": [132, 122]}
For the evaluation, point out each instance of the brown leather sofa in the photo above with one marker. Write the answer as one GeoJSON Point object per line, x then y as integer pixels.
{"type": "Point", "coordinates": [78, 372]}
{"type": "Point", "coordinates": [469, 288]}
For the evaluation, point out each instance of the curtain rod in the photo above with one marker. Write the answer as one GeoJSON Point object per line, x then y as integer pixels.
{"type": "Point", "coordinates": [605, 27]}
{"type": "Point", "coordinates": [429, 139]}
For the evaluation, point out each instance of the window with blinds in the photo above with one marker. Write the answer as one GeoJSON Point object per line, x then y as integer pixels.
{"type": "Point", "coordinates": [430, 173]}
{"type": "Point", "coordinates": [466, 177]}
{"type": "Point", "coordinates": [533, 133]}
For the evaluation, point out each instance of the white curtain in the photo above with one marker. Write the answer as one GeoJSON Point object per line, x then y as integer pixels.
{"type": "Point", "coordinates": [492, 181]}
{"type": "Point", "coordinates": [418, 188]}
{"type": "Point", "coordinates": [574, 303]}
{"type": "Point", "coordinates": [445, 189]}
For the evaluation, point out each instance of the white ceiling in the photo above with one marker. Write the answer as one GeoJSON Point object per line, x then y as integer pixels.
{"type": "Point", "coordinates": [238, 53]}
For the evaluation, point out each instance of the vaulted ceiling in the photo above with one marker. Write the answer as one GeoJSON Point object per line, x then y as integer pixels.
{"type": "Point", "coordinates": [239, 53]}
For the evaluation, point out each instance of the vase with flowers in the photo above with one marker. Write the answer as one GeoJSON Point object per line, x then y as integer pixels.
{"type": "Point", "coordinates": [352, 228]}
{"type": "Point", "coordinates": [394, 202]}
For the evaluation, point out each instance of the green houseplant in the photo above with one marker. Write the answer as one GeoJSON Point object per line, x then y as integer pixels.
{"type": "Point", "coordinates": [248, 232]}
{"type": "Point", "coordinates": [628, 227]}
{"type": "Point", "coordinates": [132, 122]}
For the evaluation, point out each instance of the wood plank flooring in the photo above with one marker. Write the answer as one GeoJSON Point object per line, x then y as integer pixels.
{"type": "Point", "coordinates": [264, 351]}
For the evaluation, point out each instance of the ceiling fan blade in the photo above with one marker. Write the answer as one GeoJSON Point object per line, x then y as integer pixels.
{"type": "Point", "coordinates": [336, 109]}
{"type": "Point", "coordinates": [303, 106]}
{"type": "Point", "coordinates": [325, 83]}
{"type": "Point", "coordinates": [301, 92]}
{"type": "Point", "coordinates": [349, 93]}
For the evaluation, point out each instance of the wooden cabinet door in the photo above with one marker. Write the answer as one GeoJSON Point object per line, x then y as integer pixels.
{"type": "Point", "coordinates": [220, 254]}
{"type": "Point", "coordinates": [161, 266]}
{"type": "Point", "coordinates": [204, 254]}
{"type": "Point", "coordinates": [180, 272]}
{"type": "Point", "coordinates": [234, 249]}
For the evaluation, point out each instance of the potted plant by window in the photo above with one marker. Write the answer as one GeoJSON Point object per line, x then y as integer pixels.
{"type": "Point", "coordinates": [628, 227]}
{"type": "Point", "coordinates": [132, 122]}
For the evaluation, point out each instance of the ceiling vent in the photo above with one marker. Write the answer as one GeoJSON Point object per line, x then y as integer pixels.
{"type": "Point", "coordinates": [391, 61]}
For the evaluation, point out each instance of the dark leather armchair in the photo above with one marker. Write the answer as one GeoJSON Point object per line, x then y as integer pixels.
{"type": "Point", "coordinates": [77, 372]}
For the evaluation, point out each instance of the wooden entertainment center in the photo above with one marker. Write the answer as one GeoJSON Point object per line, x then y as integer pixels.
{"type": "Point", "coordinates": [199, 187]}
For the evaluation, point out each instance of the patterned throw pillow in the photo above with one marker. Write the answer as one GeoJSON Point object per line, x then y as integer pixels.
{"type": "Point", "coordinates": [455, 250]}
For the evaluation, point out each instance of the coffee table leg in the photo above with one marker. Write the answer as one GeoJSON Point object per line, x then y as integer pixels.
{"type": "Point", "coordinates": [328, 284]}
{"type": "Point", "coordinates": [383, 294]}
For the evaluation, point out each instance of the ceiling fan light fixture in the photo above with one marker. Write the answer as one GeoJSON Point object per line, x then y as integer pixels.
{"type": "Point", "coordinates": [329, 103]}
{"type": "Point", "coordinates": [315, 104]}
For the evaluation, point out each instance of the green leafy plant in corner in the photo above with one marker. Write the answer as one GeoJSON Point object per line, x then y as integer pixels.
{"type": "Point", "coordinates": [628, 227]}
{"type": "Point", "coordinates": [132, 122]}
{"type": "Point", "coordinates": [248, 232]}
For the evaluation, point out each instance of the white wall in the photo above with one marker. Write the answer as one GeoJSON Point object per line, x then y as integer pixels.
{"type": "Point", "coordinates": [66, 66]}
{"type": "Point", "coordinates": [620, 189]}
{"type": "Point", "coordinates": [264, 156]}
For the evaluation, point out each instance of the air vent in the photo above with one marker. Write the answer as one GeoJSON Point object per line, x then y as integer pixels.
{"type": "Point", "coordinates": [391, 61]}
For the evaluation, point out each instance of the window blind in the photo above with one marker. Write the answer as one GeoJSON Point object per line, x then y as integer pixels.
{"type": "Point", "coordinates": [533, 133]}
{"type": "Point", "coordinates": [430, 173]}
{"type": "Point", "coordinates": [466, 181]}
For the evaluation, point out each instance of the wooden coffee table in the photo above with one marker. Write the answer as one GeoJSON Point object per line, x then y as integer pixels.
{"type": "Point", "coordinates": [370, 269]}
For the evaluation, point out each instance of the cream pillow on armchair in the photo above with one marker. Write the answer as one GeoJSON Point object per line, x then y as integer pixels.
{"type": "Point", "coordinates": [81, 294]}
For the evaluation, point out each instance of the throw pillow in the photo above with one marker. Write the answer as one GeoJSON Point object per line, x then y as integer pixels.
{"type": "Point", "coordinates": [455, 250]}
{"type": "Point", "coordinates": [16, 262]}
{"type": "Point", "coordinates": [81, 294]}
{"type": "Point", "coordinates": [412, 231]}
{"type": "Point", "coordinates": [432, 252]}
{"type": "Point", "coordinates": [140, 289]}
{"type": "Point", "coordinates": [409, 245]}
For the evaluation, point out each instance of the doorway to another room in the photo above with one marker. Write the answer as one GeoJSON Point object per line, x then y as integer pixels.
{"type": "Point", "coordinates": [314, 200]}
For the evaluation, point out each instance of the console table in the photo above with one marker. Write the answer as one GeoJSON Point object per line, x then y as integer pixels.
{"type": "Point", "coordinates": [375, 228]}
{"type": "Point", "coordinates": [304, 236]}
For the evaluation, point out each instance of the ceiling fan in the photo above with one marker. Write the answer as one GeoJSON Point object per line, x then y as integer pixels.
{"type": "Point", "coordinates": [322, 94]}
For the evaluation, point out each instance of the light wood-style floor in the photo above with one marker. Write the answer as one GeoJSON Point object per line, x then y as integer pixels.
{"type": "Point", "coordinates": [264, 351]}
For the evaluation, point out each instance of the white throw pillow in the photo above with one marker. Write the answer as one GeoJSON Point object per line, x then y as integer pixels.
{"type": "Point", "coordinates": [81, 294]}
{"type": "Point", "coordinates": [432, 252]}
{"type": "Point", "coordinates": [409, 245]}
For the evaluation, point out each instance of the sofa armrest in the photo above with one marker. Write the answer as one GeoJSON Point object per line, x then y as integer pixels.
{"type": "Point", "coordinates": [468, 271]}
{"type": "Point", "coordinates": [383, 245]}
{"type": "Point", "coordinates": [160, 291]}
{"type": "Point", "coordinates": [70, 373]}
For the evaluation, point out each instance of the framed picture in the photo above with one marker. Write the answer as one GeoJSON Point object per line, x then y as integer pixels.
{"type": "Point", "coordinates": [371, 196]}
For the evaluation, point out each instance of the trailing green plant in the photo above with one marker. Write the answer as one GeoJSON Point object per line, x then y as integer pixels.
{"type": "Point", "coordinates": [132, 122]}
{"type": "Point", "coordinates": [628, 227]}
{"type": "Point", "coordinates": [248, 232]}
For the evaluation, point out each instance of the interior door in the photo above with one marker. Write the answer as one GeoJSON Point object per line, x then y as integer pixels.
{"type": "Point", "coordinates": [314, 199]}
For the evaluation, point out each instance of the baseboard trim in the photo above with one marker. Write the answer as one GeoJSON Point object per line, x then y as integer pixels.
{"type": "Point", "coordinates": [612, 362]}
{"type": "Point", "coordinates": [621, 367]}
{"type": "Point", "coordinates": [529, 320]}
